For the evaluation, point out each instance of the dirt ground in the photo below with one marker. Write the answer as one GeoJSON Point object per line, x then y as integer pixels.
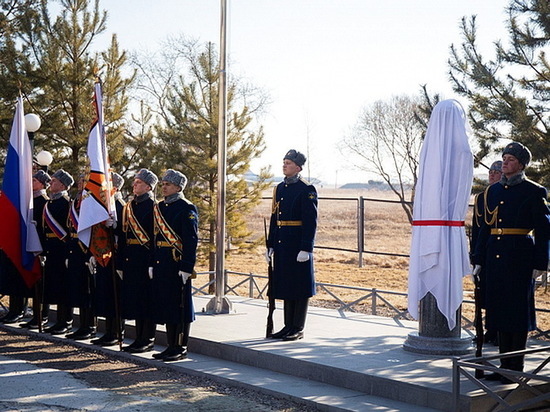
{"type": "Point", "coordinates": [147, 380]}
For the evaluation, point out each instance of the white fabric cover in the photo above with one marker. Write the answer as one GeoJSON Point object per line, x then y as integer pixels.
{"type": "Point", "coordinates": [439, 254]}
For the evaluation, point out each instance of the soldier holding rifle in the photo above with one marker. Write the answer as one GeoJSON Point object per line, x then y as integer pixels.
{"type": "Point", "coordinates": [176, 238]}
{"type": "Point", "coordinates": [512, 248]}
{"type": "Point", "coordinates": [290, 243]}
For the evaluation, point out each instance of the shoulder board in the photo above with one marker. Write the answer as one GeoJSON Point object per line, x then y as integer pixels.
{"type": "Point", "coordinates": [66, 197]}
{"type": "Point", "coordinates": [305, 181]}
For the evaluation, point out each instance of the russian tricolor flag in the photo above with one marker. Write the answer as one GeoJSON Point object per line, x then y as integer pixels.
{"type": "Point", "coordinates": [18, 235]}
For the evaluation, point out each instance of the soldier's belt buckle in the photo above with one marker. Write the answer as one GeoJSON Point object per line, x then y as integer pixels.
{"type": "Point", "coordinates": [499, 231]}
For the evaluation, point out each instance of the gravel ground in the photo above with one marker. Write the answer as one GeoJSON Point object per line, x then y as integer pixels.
{"type": "Point", "coordinates": [141, 384]}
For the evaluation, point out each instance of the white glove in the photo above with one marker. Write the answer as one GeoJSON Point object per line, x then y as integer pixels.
{"type": "Point", "coordinates": [477, 269]}
{"type": "Point", "coordinates": [268, 254]}
{"type": "Point", "coordinates": [67, 263]}
{"type": "Point", "coordinates": [92, 263]}
{"type": "Point", "coordinates": [110, 222]}
{"type": "Point", "coordinates": [303, 256]}
{"type": "Point", "coordinates": [150, 273]}
{"type": "Point", "coordinates": [184, 276]}
{"type": "Point", "coordinates": [119, 273]}
{"type": "Point", "coordinates": [42, 260]}
{"type": "Point", "coordinates": [537, 273]}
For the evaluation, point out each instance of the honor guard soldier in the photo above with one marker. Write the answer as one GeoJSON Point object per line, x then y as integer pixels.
{"type": "Point", "coordinates": [107, 294]}
{"type": "Point", "coordinates": [56, 234]}
{"type": "Point", "coordinates": [290, 242]}
{"type": "Point", "coordinates": [512, 248]}
{"type": "Point", "coordinates": [40, 182]}
{"type": "Point", "coordinates": [135, 254]}
{"type": "Point", "coordinates": [495, 173]}
{"type": "Point", "coordinates": [176, 238]}
{"type": "Point", "coordinates": [79, 273]}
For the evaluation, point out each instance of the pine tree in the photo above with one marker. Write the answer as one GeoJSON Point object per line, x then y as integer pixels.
{"type": "Point", "coordinates": [65, 68]}
{"type": "Point", "coordinates": [509, 95]}
{"type": "Point", "coordinates": [186, 135]}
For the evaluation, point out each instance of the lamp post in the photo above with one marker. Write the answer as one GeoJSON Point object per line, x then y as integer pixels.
{"type": "Point", "coordinates": [32, 124]}
{"type": "Point", "coordinates": [44, 159]}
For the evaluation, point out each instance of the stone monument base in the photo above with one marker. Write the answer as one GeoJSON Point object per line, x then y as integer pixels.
{"type": "Point", "coordinates": [439, 346]}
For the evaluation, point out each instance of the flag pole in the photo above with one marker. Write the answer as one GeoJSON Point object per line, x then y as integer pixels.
{"type": "Point", "coordinates": [220, 303]}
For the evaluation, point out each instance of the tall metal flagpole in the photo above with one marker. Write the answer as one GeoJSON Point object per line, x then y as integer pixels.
{"type": "Point", "coordinates": [220, 303]}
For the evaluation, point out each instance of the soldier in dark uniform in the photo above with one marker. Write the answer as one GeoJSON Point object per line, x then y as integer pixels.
{"type": "Point", "coordinates": [176, 238]}
{"type": "Point", "coordinates": [135, 253]}
{"type": "Point", "coordinates": [40, 182]}
{"type": "Point", "coordinates": [13, 285]}
{"type": "Point", "coordinates": [56, 234]}
{"type": "Point", "coordinates": [290, 243]}
{"type": "Point", "coordinates": [104, 302]}
{"type": "Point", "coordinates": [79, 273]}
{"type": "Point", "coordinates": [495, 173]}
{"type": "Point", "coordinates": [512, 248]}
{"type": "Point", "coordinates": [11, 282]}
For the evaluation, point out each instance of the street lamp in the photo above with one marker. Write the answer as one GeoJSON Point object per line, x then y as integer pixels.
{"type": "Point", "coordinates": [44, 159]}
{"type": "Point", "coordinates": [32, 124]}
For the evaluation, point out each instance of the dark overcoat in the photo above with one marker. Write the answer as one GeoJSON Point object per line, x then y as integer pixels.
{"type": "Point", "coordinates": [508, 258]}
{"type": "Point", "coordinates": [292, 229]}
{"type": "Point", "coordinates": [55, 251]}
{"type": "Point", "coordinates": [104, 293]}
{"type": "Point", "coordinates": [79, 278]}
{"type": "Point", "coordinates": [172, 301]}
{"type": "Point", "coordinates": [134, 260]}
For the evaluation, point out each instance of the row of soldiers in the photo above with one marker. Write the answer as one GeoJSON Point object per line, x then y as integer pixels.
{"type": "Point", "coordinates": [148, 279]}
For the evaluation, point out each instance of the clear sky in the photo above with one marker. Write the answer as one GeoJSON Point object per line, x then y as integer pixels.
{"type": "Point", "coordinates": [321, 61]}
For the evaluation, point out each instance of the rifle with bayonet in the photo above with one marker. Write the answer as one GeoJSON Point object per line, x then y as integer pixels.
{"type": "Point", "coordinates": [478, 322]}
{"type": "Point", "coordinates": [271, 300]}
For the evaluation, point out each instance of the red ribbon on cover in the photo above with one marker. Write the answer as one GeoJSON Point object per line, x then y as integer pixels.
{"type": "Point", "coordinates": [438, 223]}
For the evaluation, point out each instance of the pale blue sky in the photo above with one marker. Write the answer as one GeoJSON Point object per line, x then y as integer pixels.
{"type": "Point", "coordinates": [320, 60]}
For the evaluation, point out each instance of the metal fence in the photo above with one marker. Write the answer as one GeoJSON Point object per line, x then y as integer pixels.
{"type": "Point", "coordinates": [255, 286]}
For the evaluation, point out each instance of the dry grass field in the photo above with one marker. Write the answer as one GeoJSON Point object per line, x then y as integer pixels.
{"type": "Point", "coordinates": [386, 230]}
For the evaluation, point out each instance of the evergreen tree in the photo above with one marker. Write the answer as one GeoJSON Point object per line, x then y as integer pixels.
{"type": "Point", "coordinates": [60, 85]}
{"type": "Point", "coordinates": [509, 95]}
{"type": "Point", "coordinates": [185, 86]}
{"type": "Point", "coordinates": [14, 62]}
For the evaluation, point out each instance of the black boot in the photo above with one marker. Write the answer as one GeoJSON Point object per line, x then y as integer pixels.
{"type": "Point", "coordinates": [145, 338]}
{"type": "Point", "coordinates": [39, 311]}
{"type": "Point", "coordinates": [87, 328]}
{"type": "Point", "coordinates": [288, 310]}
{"type": "Point", "coordinates": [110, 338]}
{"type": "Point", "coordinates": [17, 309]}
{"type": "Point", "coordinates": [178, 336]}
{"type": "Point", "coordinates": [298, 320]}
{"type": "Point", "coordinates": [64, 321]}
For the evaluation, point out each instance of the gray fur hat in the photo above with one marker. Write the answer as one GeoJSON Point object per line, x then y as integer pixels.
{"type": "Point", "coordinates": [118, 180]}
{"type": "Point", "coordinates": [496, 166]}
{"type": "Point", "coordinates": [296, 157]}
{"type": "Point", "coordinates": [175, 177]}
{"type": "Point", "coordinates": [148, 177]}
{"type": "Point", "coordinates": [519, 151]}
{"type": "Point", "coordinates": [43, 178]}
{"type": "Point", "coordinates": [64, 178]}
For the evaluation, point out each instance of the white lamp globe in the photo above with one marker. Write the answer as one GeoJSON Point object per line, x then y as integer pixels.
{"type": "Point", "coordinates": [44, 158]}
{"type": "Point", "coordinates": [32, 122]}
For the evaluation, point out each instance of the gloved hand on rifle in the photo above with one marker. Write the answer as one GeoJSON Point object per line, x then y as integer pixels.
{"type": "Point", "coordinates": [268, 254]}
{"type": "Point", "coordinates": [303, 256]}
{"type": "Point", "coordinates": [92, 263]}
{"type": "Point", "coordinates": [537, 273]}
{"type": "Point", "coordinates": [184, 276]}
{"type": "Point", "coordinates": [150, 273]}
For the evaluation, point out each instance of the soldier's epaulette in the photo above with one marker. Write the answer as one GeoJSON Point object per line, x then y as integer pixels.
{"type": "Point", "coordinates": [66, 197]}
{"type": "Point", "coordinates": [533, 183]}
{"type": "Point", "coordinates": [305, 181]}
{"type": "Point", "coordinates": [44, 196]}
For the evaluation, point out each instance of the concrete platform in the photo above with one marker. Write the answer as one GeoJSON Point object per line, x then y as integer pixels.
{"type": "Point", "coordinates": [346, 361]}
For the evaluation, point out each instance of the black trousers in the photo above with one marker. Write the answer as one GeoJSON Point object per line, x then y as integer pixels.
{"type": "Point", "coordinates": [511, 342]}
{"type": "Point", "coordinates": [295, 313]}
